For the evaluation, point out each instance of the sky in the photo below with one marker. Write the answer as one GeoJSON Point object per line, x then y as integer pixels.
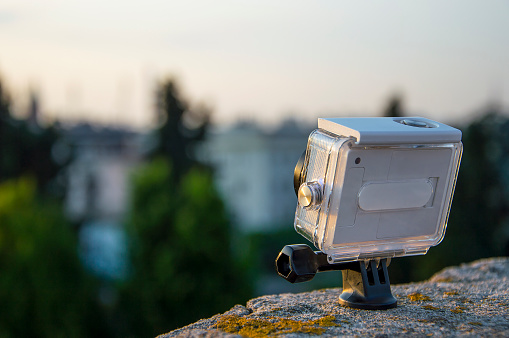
{"type": "Point", "coordinates": [265, 61]}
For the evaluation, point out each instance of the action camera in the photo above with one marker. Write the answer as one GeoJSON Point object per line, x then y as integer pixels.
{"type": "Point", "coordinates": [376, 187]}
{"type": "Point", "coordinates": [370, 189]}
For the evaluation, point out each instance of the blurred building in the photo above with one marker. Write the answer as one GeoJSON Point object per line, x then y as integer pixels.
{"type": "Point", "coordinates": [97, 193]}
{"type": "Point", "coordinates": [254, 172]}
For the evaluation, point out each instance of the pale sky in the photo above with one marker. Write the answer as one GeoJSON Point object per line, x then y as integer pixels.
{"type": "Point", "coordinates": [261, 60]}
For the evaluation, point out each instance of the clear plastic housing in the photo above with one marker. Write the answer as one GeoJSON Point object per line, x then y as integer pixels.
{"type": "Point", "coordinates": [377, 201]}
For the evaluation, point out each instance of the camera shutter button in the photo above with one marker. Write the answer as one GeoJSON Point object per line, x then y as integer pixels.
{"type": "Point", "coordinates": [310, 194]}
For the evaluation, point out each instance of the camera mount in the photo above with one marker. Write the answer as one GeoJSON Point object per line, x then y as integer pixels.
{"type": "Point", "coordinates": [365, 283]}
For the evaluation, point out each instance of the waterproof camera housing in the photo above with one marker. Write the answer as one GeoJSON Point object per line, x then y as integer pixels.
{"type": "Point", "coordinates": [375, 188]}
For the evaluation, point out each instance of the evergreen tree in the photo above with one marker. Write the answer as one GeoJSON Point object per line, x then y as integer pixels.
{"type": "Point", "coordinates": [44, 290]}
{"type": "Point", "coordinates": [181, 259]}
{"type": "Point", "coordinates": [394, 107]}
{"type": "Point", "coordinates": [478, 224]}
{"type": "Point", "coordinates": [182, 264]}
{"type": "Point", "coordinates": [26, 148]}
{"type": "Point", "coordinates": [182, 128]}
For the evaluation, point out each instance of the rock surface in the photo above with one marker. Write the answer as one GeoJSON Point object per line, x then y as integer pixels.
{"type": "Point", "coordinates": [467, 300]}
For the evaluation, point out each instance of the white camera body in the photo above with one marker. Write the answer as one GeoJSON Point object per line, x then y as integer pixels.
{"type": "Point", "coordinates": [377, 187]}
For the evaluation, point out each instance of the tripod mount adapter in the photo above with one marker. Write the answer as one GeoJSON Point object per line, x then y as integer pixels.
{"type": "Point", "coordinates": [365, 283]}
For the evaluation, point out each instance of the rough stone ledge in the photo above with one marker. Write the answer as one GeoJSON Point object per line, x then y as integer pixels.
{"type": "Point", "coordinates": [467, 300]}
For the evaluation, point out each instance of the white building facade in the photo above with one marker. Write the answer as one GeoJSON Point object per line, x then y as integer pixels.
{"type": "Point", "coordinates": [254, 172]}
{"type": "Point", "coordinates": [98, 194]}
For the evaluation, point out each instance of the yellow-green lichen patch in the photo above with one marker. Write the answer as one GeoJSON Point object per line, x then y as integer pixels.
{"type": "Point", "coordinates": [475, 323]}
{"type": "Point", "coordinates": [252, 327]}
{"type": "Point", "coordinates": [451, 293]}
{"type": "Point", "coordinates": [416, 297]}
{"type": "Point", "coordinates": [444, 280]}
{"type": "Point", "coordinates": [430, 307]}
{"type": "Point", "coordinates": [465, 300]}
{"type": "Point", "coordinates": [458, 309]}
{"type": "Point", "coordinates": [423, 320]}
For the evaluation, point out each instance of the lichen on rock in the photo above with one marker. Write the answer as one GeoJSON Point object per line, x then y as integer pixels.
{"type": "Point", "coordinates": [417, 297]}
{"type": "Point", "coordinates": [470, 299]}
{"type": "Point", "coordinates": [273, 326]}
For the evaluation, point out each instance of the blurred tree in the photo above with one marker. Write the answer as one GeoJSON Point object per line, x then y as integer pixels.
{"type": "Point", "coordinates": [182, 128]}
{"type": "Point", "coordinates": [478, 225]}
{"type": "Point", "coordinates": [44, 290]}
{"type": "Point", "coordinates": [26, 147]}
{"type": "Point", "coordinates": [182, 265]}
{"type": "Point", "coordinates": [394, 107]}
{"type": "Point", "coordinates": [4, 103]}
{"type": "Point", "coordinates": [480, 209]}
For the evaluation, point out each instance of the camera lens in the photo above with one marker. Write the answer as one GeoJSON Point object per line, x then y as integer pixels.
{"type": "Point", "coordinates": [298, 174]}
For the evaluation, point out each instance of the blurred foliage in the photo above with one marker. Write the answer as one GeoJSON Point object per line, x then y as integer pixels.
{"type": "Point", "coordinates": [182, 128]}
{"type": "Point", "coordinates": [259, 254]}
{"type": "Point", "coordinates": [394, 107]}
{"type": "Point", "coordinates": [44, 291]}
{"type": "Point", "coordinates": [26, 148]}
{"type": "Point", "coordinates": [478, 224]}
{"type": "Point", "coordinates": [183, 268]}
{"type": "Point", "coordinates": [260, 249]}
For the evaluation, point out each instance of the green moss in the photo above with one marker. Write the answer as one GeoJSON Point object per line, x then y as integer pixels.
{"type": "Point", "coordinates": [430, 307]}
{"type": "Point", "coordinates": [252, 327]}
{"type": "Point", "coordinates": [416, 297]}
